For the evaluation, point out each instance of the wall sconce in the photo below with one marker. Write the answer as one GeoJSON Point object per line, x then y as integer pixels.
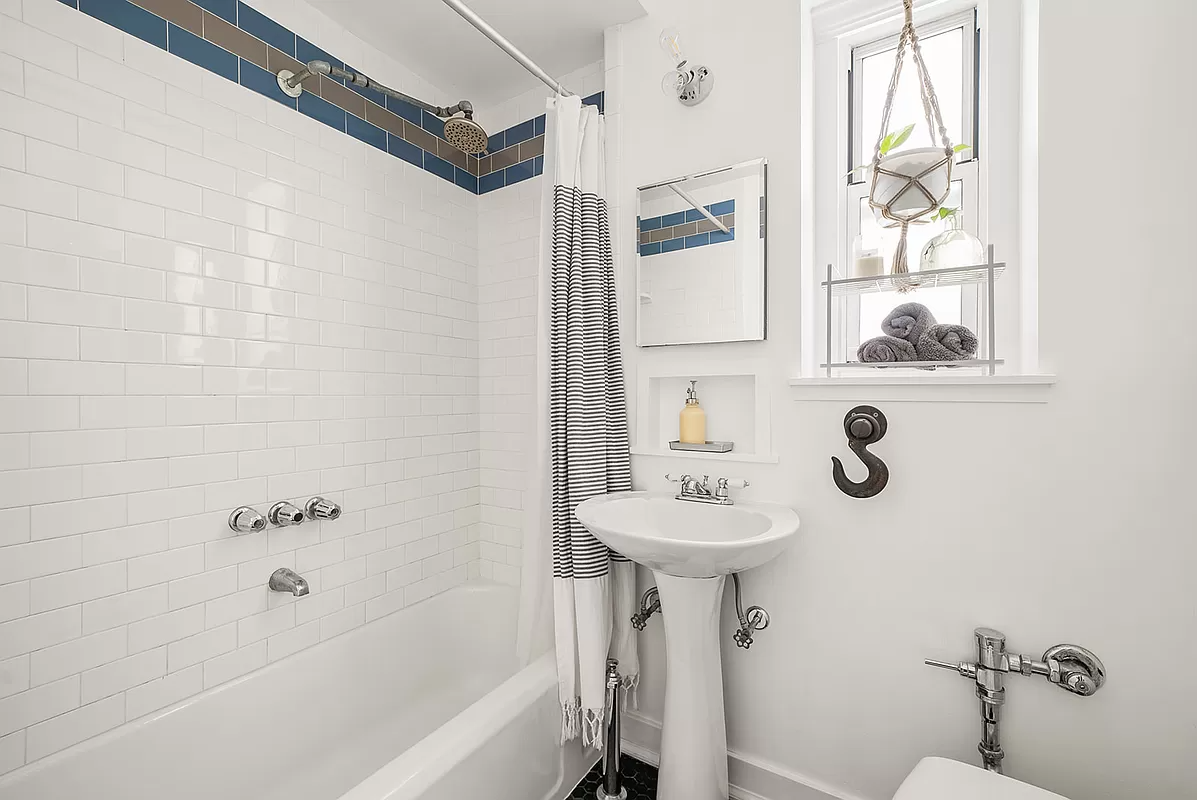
{"type": "Point", "coordinates": [689, 83]}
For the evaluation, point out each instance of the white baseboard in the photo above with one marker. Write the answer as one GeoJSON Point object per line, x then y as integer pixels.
{"type": "Point", "coordinates": [749, 778]}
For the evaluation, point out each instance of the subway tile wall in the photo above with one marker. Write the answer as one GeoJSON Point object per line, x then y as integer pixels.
{"type": "Point", "coordinates": [241, 44]}
{"type": "Point", "coordinates": [209, 299]}
{"type": "Point", "coordinates": [509, 225]}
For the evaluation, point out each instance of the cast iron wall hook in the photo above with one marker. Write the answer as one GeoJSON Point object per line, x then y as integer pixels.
{"type": "Point", "coordinates": [864, 425]}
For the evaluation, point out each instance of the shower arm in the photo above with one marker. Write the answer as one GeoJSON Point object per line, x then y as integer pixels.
{"type": "Point", "coordinates": [292, 82]}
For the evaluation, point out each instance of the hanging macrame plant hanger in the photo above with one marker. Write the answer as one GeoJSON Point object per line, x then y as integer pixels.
{"type": "Point", "coordinates": [909, 185]}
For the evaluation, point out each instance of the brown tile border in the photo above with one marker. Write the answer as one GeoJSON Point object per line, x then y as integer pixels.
{"type": "Point", "coordinates": [185, 14]}
{"type": "Point", "coordinates": [419, 137]}
{"type": "Point", "coordinates": [276, 60]}
{"type": "Point", "coordinates": [377, 115]}
{"type": "Point", "coordinates": [504, 158]}
{"type": "Point", "coordinates": [235, 40]}
{"type": "Point", "coordinates": [685, 229]}
{"type": "Point", "coordinates": [451, 154]}
{"type": "Point", "coordinates": [532, 148]}
{"type": "Point", "coordinates": [347, 99]}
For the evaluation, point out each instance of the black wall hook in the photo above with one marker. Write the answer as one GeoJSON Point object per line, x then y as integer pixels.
{"type": "Point", "coordinates": [864, 425]}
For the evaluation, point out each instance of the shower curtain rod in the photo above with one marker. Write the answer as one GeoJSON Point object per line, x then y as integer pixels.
{"type": "Point", "coordinates": [490, 33]}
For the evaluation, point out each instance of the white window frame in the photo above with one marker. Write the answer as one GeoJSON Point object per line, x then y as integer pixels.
{"type": "Point", "coordinates": [965, 170]}
{"type": "Point", "coordinates": [1006, 198]}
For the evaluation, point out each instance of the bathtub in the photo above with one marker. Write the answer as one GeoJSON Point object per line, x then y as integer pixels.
{"type": "Point", "coordinates": [425, 703]}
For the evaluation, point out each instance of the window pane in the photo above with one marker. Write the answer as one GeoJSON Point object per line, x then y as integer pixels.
{"type": "Point", "coordinates": [944, 56]}
{"type": "Point", "coordinates": [944, 302]}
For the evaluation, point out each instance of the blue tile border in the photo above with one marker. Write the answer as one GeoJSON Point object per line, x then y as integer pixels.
{"type": "Point", "coordinates": [685, 230]}
{"type": "Point", "coordinates": [513, 155]}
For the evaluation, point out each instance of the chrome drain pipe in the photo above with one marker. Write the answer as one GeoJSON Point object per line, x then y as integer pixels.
{"type": "Point", "coordinates": [610, 788]}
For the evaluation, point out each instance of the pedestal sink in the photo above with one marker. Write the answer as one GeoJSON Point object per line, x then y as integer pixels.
{"type": "Point", "coordinates": [691, 549]}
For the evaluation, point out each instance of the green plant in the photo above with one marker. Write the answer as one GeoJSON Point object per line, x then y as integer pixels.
{"type": "Point", "coordinates": [895, 139]}
{"type": "Point", "coordinates": [944, 212]}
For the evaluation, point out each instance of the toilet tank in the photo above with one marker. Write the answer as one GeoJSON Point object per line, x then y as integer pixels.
{"type": "Point", "coordinates": [943, 779]}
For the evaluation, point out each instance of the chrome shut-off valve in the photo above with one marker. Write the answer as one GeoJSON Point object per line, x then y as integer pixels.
{"type": "Point", "coordinates": [284, 513]}
{"type": "Point", "coordinates": [650, 604]}
{"type": "Point", "coordinates": [319, 508]}
{"type": "Point", "coordinates": [245, 520]}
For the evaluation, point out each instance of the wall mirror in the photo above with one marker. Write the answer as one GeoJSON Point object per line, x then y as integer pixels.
{"type": "Point", "coordinates": [700, 266]}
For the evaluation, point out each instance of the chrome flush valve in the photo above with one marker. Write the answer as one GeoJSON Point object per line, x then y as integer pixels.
{"type": "Point", "coordinates": [284, 513]}
{"type": "Point", "coordinates": [1068, 666]}
{"type": "Point", "coordinates": [319, 508]}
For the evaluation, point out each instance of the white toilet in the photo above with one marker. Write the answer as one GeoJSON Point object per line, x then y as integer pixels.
{"type": "Point", "coordinates": [943, 779]}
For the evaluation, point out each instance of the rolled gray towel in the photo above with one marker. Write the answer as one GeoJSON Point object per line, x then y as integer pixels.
{"type": "Point", "coordinates": [908, 321]}
{"type": "Point", "coordinates": [885, 350]}
{"type": "Point", "coordinates": [947, 343]}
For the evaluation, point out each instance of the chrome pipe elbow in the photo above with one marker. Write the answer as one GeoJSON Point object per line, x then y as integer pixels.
{"type": "Point", "coordinates": [245, 520]}
{"type": "Point", "coordinates": [319, 508]}
{"type": "Point", "coordinates": [284, 513]}
{"type": "Point", "coordinates": [287, 580]}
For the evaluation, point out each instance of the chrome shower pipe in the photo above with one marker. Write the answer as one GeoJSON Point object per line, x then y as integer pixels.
{"type": "Point", "coordinates": [290, 82]}
{"type": "Point", "coordinates": [490, 33]}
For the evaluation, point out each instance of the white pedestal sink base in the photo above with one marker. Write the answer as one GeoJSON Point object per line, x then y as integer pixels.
{"type": "Point", "coordinates": [693, 731]}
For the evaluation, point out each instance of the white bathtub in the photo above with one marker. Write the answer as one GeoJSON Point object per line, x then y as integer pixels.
{"type": "Point", "coordinates": [425, 703]}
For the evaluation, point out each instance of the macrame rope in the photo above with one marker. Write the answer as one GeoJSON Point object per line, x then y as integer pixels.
{"type": "Point", "coordinates": [934, 116]}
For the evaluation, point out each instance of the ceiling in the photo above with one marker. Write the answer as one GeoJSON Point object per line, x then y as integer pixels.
{"type": "Point", "coordinates": [431, 39]}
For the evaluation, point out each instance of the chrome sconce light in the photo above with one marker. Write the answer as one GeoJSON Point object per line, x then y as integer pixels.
{"type": "Point", "coordinates": [689, 83]}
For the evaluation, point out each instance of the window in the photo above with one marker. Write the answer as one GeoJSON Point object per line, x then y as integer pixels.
{"type": "Point", "coordinates": [949, 48]}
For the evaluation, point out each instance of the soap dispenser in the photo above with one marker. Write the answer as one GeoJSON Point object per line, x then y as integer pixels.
{"type": "Point", "coordinates": [692, 427]}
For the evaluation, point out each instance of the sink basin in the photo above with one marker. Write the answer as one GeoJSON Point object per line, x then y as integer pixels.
{"type": "Point", "coordinates": [686, 539]}
{"type": "Point", "coordinates": [691, 548]}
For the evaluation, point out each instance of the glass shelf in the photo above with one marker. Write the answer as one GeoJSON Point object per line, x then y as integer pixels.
{"type": "Point", "coordinates": [953, 276]}
{"type": "Point", "coordinates": [972, 363]}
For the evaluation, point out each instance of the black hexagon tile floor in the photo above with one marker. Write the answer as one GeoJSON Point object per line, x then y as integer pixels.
{"type": "Point", "coordinates": [639, 778]}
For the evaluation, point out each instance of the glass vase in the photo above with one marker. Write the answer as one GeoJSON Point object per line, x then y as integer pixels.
{"type": "Point", "coordinates": [955, 247]}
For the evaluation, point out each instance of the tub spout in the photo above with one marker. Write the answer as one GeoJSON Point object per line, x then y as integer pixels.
{"type": "Point", "coordinates": [286, 580]}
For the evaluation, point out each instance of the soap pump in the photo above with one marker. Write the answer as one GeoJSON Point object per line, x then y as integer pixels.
{"type": "Point", "coordinates": [692, 427]}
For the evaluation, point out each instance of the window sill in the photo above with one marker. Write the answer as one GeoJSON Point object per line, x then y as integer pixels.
{"type": "Point", "coordinates": [927, 388]}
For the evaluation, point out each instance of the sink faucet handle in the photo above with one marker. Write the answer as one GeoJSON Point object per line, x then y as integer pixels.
{"type": "Point", "coordinates": [724, 483]}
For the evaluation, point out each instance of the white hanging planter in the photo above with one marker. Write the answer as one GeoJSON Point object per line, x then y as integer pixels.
{"type": "Point", "coordinates": [911, 184]}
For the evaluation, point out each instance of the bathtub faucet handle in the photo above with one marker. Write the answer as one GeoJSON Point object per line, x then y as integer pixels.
{"type": "Point", "coordinates": [245, 520]}
{"type": "Point", "coordinates": [283, 513]}
{"type": "Point", "coordinates": [319, 508]}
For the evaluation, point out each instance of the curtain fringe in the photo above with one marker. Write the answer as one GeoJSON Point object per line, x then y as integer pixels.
{"type": "Point", "coordinates": [570, 720]}
{"type": "Point", "coordinates": [592, 728]}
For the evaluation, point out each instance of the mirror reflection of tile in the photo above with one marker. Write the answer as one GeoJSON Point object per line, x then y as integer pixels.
{"type": "Point", "coordinates": [686, 229]}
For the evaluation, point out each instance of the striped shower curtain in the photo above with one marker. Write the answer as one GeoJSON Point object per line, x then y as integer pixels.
{"type": "Point", "coordinates": [593, 587]}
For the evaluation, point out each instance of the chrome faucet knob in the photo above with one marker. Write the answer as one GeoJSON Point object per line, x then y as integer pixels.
{"type": "Point", "coordinates": [245, 520]}
{"type": "Point", "coordinates": [283, 513]}
{"type": "Point", "coordinates": [319, 508]}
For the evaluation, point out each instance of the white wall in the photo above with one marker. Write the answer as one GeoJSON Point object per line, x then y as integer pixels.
{"type": "Point", "coordinates": [208, 300]}
{"type": "Point", "coordinates": [1053, 522]}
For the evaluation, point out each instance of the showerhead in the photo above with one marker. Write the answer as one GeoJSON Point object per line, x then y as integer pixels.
{"type": "Point", "coordinates": [465, 134]}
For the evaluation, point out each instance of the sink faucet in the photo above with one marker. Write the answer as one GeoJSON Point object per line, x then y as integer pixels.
{"type": "Point", "coordinates": [286, 580]}
{"type": "Point", "coordinates": [696, 491]}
